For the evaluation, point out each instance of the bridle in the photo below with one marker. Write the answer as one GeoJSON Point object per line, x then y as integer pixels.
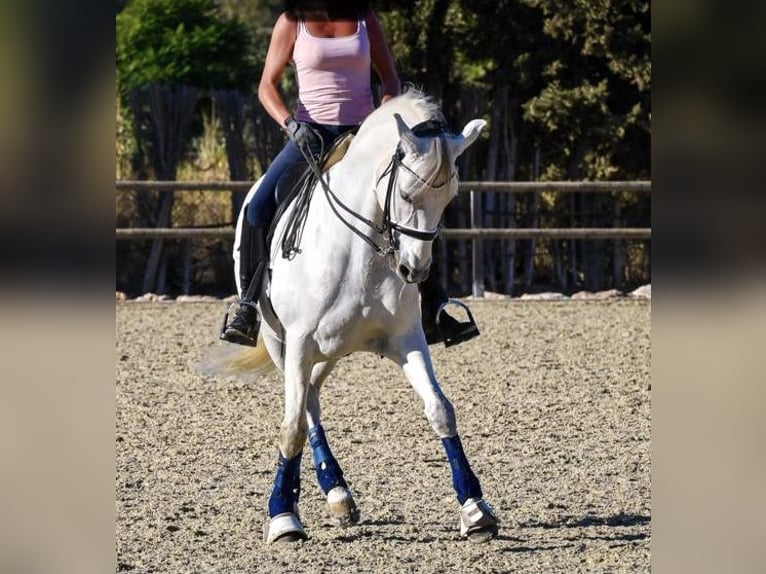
{"type": "Point", "coordinates": [388, 226]}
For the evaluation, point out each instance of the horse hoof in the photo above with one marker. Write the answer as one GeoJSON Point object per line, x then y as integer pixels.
{"type": "Point", "coordinates": [291, 537]}
{"type": "Point", "coordinates": [478, 521]}
{"type": "Point", "coordinates": [343, 510]}
{"type": "Point", "coordinates": [481, 535]}
{"type": "Point", "coordinates": [283, 528]}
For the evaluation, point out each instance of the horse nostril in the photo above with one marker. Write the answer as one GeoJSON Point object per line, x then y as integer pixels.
{"type": "Point", "coordinates": [404, 271]}
{"type": "Point", "coordinates": [420, 275]}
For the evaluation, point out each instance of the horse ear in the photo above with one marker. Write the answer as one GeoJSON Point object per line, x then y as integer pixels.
{"type": "Point", "coordinates": [405, 133]}
{"type": "Point", "coordinates": [469, 134]}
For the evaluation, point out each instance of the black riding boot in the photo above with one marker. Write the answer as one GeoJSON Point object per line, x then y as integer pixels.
{"type": "Point", "coordinates": [437, 324]}
{"type": "Point", "coordinates": [244, 326]}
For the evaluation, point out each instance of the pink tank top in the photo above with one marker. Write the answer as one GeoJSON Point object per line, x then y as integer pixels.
{"type": "Point", "coordinates": [333, 77]}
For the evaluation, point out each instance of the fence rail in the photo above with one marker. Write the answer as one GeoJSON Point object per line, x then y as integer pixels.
{"type": "Point", "coordinates": [126, 234]}
{"type": "Point", "coordinates": [463, 186]}
{"type": "Point", "coordinates": [476, 234]}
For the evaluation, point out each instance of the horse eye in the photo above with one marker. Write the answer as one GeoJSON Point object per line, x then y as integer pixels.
{"type": "Point", "coordinates": [405, 196]}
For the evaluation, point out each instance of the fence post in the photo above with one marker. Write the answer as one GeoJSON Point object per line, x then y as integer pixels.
{"type": "Point", "coordinates": [477, 246]}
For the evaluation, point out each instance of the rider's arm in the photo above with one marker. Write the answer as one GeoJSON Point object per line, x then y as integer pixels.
{"type": "Point", "coordinates": [278, 56]}
{"type": "Point", "coordinates": [382, 60]}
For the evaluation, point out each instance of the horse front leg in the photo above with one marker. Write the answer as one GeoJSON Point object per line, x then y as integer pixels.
{"type": "Point", "coordinates": [340, 501]}
{"type": "Point", "coordinates": [478, 521]}
{"type": "Point", "coordinates": [284, 523]}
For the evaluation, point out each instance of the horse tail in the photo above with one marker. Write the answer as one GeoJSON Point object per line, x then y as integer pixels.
{"type": "Point", "coordinates": [254, 360]}
{"type": "Point", "coordinates": [238, 360]}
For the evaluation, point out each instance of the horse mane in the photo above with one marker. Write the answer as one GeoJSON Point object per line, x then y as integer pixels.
{"type": "Point", "coordinates": [413, 105]}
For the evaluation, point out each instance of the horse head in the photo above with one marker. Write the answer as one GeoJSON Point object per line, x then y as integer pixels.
{"type": "Point", "coordinates": [422, 182]}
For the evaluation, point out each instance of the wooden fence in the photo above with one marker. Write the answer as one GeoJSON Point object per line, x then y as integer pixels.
{"type": "Point", "coordinates": [476, 233]}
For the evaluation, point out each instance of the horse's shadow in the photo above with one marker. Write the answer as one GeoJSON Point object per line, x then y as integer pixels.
{"type": "Point", "coordinates": [617, 521]}
{"type": "Point", "coordinates": [621, 519]}
{"type": "Point", "coordinates": [371, 529]}
{"type": "Point", "coordinates": [386, 522]}
{"type": "Point", "coordinates": [517, 544]}
{"type": "Point", "coordinates": [388, 529]}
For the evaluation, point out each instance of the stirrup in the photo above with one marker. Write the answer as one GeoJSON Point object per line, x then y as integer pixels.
{"type": "Point", "coordinates": [468, 329]}
{"type": "Point", "coordinates": [233, 335]}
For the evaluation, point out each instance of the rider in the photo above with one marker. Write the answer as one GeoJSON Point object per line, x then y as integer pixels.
{"type": "Point", "coordinates": [331, 45]}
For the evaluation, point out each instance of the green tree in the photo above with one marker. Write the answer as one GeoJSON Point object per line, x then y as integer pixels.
{"type": "Point", "coordinates": [593, 114]}
{"type": "Point", "coordinates": [591, 119]}
{"type": "Point", "coordinates": [169, 54]}
{"type": "Point", "coordinates": [565, 86]}
{"type": "Point", "coordinates": [181, 42]}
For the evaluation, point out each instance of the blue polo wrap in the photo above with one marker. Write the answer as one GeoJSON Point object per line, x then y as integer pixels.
{"type": "Point", "coordinates": [464, 481]}
{"type": "Point", "coordinates": [287, 486]}
{"type": "Point", "coordinates": [329, 473]}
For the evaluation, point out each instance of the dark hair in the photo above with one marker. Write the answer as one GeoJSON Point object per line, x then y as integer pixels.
{"type": "Point", "coordinates": [334, 9]}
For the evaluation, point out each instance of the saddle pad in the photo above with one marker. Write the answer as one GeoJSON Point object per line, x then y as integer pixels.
{"type": "Point", "coordinates": [337, 151]}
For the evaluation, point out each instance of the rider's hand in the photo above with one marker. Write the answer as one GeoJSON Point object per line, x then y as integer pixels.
{"type": "Point", "coordinates": [302, 134]}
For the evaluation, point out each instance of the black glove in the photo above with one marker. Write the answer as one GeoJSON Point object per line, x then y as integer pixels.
{"type": "Point", "coordinates": [303, 135]}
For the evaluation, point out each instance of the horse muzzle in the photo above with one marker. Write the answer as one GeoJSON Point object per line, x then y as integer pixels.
{"type": "Point", "coordinates": [412, 260]}
{"type": "Point", "coordinates": [412, 274]}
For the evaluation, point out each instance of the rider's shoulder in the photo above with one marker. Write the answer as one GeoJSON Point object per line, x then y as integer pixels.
{"type": "Point", "coordinates": [285, 24]}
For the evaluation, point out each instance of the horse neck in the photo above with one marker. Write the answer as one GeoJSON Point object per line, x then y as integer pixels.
{"type": "Point", "coordinates": [357, 176]}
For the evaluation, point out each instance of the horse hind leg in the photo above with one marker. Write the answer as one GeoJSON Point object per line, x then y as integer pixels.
{"type": "Point", "coordinates": [340, 501]}
{"type": "Point", "coordinates": [478, 521]}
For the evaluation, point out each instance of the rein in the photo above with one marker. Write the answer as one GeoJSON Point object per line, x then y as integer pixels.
{"type": "Point", "coordinates": [388, 226]}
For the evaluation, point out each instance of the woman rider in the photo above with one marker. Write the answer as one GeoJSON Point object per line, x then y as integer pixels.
{"type": "Point", "coordinates": [331, 45]}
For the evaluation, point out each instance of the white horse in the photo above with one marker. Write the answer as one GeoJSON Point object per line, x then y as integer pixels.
{"type": "Point", "coordinates": [352, 287]}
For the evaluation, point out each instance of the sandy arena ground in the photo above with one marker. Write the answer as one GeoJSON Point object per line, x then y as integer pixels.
{"type": "Point", "coordinates": [553, 406]}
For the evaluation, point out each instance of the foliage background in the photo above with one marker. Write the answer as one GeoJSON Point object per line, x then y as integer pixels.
{"type": "Point", "coordinates": [564, 84]}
